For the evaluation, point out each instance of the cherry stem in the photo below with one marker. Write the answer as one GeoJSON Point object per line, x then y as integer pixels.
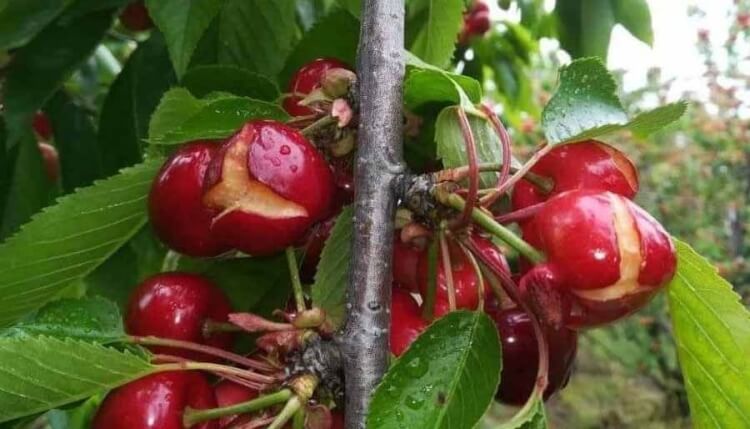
{"type": "Point", "coordinates": [447, 269]}
{"type": "Point", "coordinates": [180, 364]}
{"type": "Point", "coordinates": [170, 262]}
{"type": "Point", "coordinates": [471, 153]}
{"type": "Point", "coordinates": [428, 311]}
{"type": "Point", "coordinates": [299, 419]}
{"type": "Point", "coordinates": [489, 224]}
{"type": "Point", "coordinates": [478, 272]}
{"type": "Point", "coordinates": [459, 173]}
{"type": "Point", "coordinates": [521, 172]}
{"type": "Point", "coordinates": [318, 125]}
{"type": "Point", "coordinates": [502, 135]}
{"type": "Point", "coordinates": [208, 350]}
{"type": "Point", "coordinates": [292, 405]}
{"type": "Point", "coordinates": [193, 416]}
{"type": "Point", "coordinates": [519, 214]}
{"type": "Point", "coordinates": [299, 296]}
{"type": "Point", "coordinates": [212, 326]}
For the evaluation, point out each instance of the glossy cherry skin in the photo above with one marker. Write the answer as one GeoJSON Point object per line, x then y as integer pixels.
{"type": "Point", "coordinates": [406, 264]}
{"type": "Point", "coordinates": [406, 322]}
{"type": "Point", "coordinates": [135, 17]}
{"type": "Point", "coordinates": [42, 126]}
{"type": "Point", "coordinates": [605, 255]}
{"type": "Point", "coordinates": [269, 185]}
{"type": "Point", "coordinates": [307, 79]}
{"type": "Point", "coordinates": [521, 356]}
{"type": "Point", "coordinates": [156, 401]}
{"type": "Point", "coordinates": [177, 306]}
{"type": "Point", "coordinates": [176, 209]}
{"type": "Point", "coordinates": [51, 161]}
{"type": "Point", "coordinates": [230, 393]}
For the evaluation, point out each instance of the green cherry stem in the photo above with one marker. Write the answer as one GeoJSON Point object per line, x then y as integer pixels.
{"type": "Point", "coordinates": [193, 416]}
{"type": "Point", "coordinates": [292, 406]}
{"type": "Point", "coordinates": [428, 308]}
{"type": "Point", "coordinates": [299, 296]}
{"type": "Point", "coordinates": [489, 224]}
{"type": "Point", "coordinates": [317, 125]}
{"type": "Point", "coordinates": [298, 422]}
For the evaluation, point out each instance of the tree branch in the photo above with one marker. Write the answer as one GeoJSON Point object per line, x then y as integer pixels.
{"type": "Point", "coordinates": [380, 74]}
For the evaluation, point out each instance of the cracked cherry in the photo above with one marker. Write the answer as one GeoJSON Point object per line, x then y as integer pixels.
{"type": "Point", "coordinates": [521, 355]}
{"type": "Point", "coordinates": [268, 185]}
{"type": "Point", "coordinates": [606, 258]}
{"type": "Point", "coordinates": [307, 79]}
{"type": "Point", "coordinates": [230, 393]}
{"type": "Point", "coordinates": [135, 17]}
{"type": "Point", "coordinates": [176, 210]}
{"type": "Point", "coordinates": [156, 401]}
{"type": "Point", "coordinates": [177, 306]}
{"type": "Point", "coordinates": [406, 322]}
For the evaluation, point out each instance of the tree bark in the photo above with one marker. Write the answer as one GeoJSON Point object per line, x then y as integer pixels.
{"type": "Point", "coordinates": [380, 73]}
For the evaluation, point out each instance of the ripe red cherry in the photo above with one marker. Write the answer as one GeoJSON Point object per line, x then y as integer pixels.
{"type": "Point", "coordinates": [177, 306]}
{"type": "Point", "coordinates": [606, 258]}
{"type": "Point", "coordinates": [51, 161]}
{"type": "Point", "coordinates": [230, 393]}
{"type": "Point", "coordinates": [405, 264]}
{"type": "Point", "coordinates": [338, 420]}
{"type": "Point", "coordinates": [307, 79]}
{"type": "Point", "coordinates": [586, 165]}
{"type": "Point", "coordinates": [476, 21]}
{"type": "Point", "coordinates": [406, 323]}
{"type": "Point", "coordinates": [42, 126]}
{"type": "Point", "coordinates": [135, 17]}
{"type": "Point", "coordinates": [268, 185]}
{"type": "Point", "coordinates": [177, 213]}
{"type": "Point", "coordinates": [521, 355]}
{"type": "Point", "coordinates": [156, 401]}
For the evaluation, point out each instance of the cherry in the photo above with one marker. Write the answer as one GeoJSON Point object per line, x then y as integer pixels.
{"type": "Point", "coordinates": [521, 355]}
{"type": "Point", "coordinates": [135, 17]}
{"type": "Point", "coordinates": [51, 161]}
{"type": "Point", "coordinates": [177, 213]}
{"type": "Point", "coordinates": [476, 21]}
{"type": "Point", "coordinates": [313, 244]}
{"type": "Point", "coordinates": [230, 393]}
{"type": "Point", "coordinates": [405, 264]}
{"type": "Point", "coordinates": [406, 323]}
{"type": "Point", "coordinates": [307, 79]}
{"type": "Point", "coordinates": [606, 258]}
{"type": "Point", "coordinates": [42, 126]}
{"type": "Point", "coordinates": [269, 185]}
{"type": "Point", "coordinates": [177, 306]}
{"type": "Point", "coordinates": [337, 418]}
{"type": "Point", "coordinates": [156, 401]}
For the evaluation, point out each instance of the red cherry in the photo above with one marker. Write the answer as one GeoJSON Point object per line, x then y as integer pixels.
{"type": "Point", "coordinates": [177, 306]}
{"type": "Point", "coordinates": [476, 21]}
{"type": "Point", "coordinates": [177, 213]}
{"type": "Point", "coordinates": [313, 246]}
{"type": "Point", "coordinates": [156, 401]}
{"type": "Point", "coordinates": [521, 355]}
{"type": "Point", "coordinates": [307, 79]}
{"type": "Point", "coordinates": [42, 126]}
{"type": "Point", "coordinates": [337, 420]}
{"type": "Point", "coordinates": [230, 393]}
{"type": "Point", "coordinates": [406, 323]}
{"type": "Point", "coordinates": [51, 161]}
{"type": "Point", "coordinates": [606, 257]}
{"type": "Point", "coordinates": [135, 17]}
{"type": "Point", "coordinates": [269, 185]}
{"type": "Point", "coordinates": [406, 264]}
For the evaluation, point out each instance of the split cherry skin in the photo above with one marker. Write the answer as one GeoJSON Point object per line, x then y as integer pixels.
{"type": "Point", "coordinates": [268, 185]}
{"type": "Point", "coordinates": [606, 258]}
{"type": "Point", "coordinates": [307, 79]}
{"type": "Point", "coordinates": [156, 401]}
{"type": "Point", "coordinates": [177, 306]}
{"type": "Point", "coordinates": [406, 322]}
{"type": "Point", "coordinates": [176, 209]}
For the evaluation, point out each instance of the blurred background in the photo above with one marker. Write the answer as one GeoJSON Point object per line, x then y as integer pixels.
{"type": "Point", "coordinates": [695, 176]}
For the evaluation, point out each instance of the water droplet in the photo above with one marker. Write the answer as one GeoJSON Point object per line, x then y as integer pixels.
{"type": "Point", "coordinates": [285, 150]}
{"type": "Point", "coordinates": [392, 391]}
{"type": "Point", "coordinates": [413, 402]}
{"type": "Point", "coordinates": [417, 367]}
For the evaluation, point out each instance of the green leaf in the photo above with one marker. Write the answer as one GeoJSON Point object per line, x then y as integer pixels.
{"type": "Point", "coordinates": [67, 241]}
{"type": "Point", "coordinates": [335, 36]}
{"type": "Point", "coordinates": [79, 417]}
{"type": "Point", "coordinates": [635, 16]}
{"type": "Point", "coordinates": [712, 332]}
{"type": "Point", "coordinates": [257, 35]}
{"type": "Point", "coordinates": [331, 279]}
{"type": "Point", "coordinates": [353, 6]}
{"type": "Point", "coordinates": [203, 80]}
{"type": "Point", "coordinates": [22, 20]}
{"type": "Point", "coordinates": [446, 379]}
{"type": "Point", "coordinates": [180, 117]}
{"type": "Point", "coordinates": [452, 150]}
{"type": "Point", "coordinates": [131, 100]}
{"type": "Point", "coordinates": [585, 27]}
{"type": "Point", "coordinates": [586, 105]}
{"type": "Point", "coordinates": [183, 22]}
{"type": "Point", "coordinates": [425, 83]}
{"type": "Point", "coordinates": [441, 22]}
{"type": "Point", "coordinates": [41, 373]}
{"type": "Point", "coordinates": [89, 319]}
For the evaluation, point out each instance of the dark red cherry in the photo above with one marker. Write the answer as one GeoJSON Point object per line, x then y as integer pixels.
{"type": "Point", "coordinates": [230, 393]}
{"type": "Point", "coordinates": [156, 401]}
{"type": "Point", "coordinates": [51, 161]}
{"type": "Point", "coordinates": [176, 210]}
{"type": "Point", "coordinates": [406, 322]}
{"type": "Point", "coordinates": [268, 185]}
{"type": "Point", "coordinates": [406, 264]}
{"type": "Point", "coordinates": [42, 127]}
{"type": "Point", "coordinates": [606, 258]}
{"type": "Point", "coordinates": [338, 420]}
{"type": "Point", "coordinates": [135, 17]}
{"type": "Point", "coordinates": [305, 80]}
{"type": "Point", "coordinates": [177, 306]}
{"type": "Point", "coordinates": [521, 355]}
{"type": "Point", "coordinates": [313, 244]}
